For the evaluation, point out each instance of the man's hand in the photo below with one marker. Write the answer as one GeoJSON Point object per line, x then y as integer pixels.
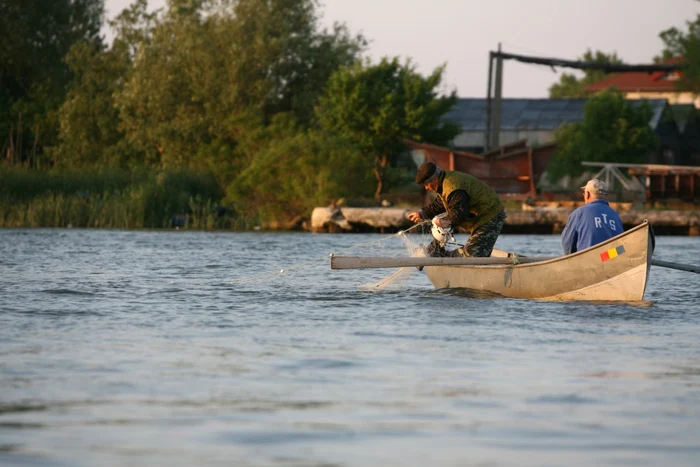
{"type": "Point", "coordinates": [443, 222]}
{"type": "Point", "coordinates": [414, 217]}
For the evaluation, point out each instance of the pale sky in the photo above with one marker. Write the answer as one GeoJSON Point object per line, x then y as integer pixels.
{"type": "Point", "coordinates": [460, 33]}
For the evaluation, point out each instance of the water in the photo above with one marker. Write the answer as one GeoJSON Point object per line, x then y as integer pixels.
{"type": "Point", "coordinates": [191, 348]}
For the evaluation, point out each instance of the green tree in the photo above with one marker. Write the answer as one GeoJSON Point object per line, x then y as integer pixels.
{"type": "Point", "coordinates": [89, 133]}
{"type": "Point", "coordinates": [296, 170]}
{"type": "Point", "coordinates": [378, 106]}
{"type": "Point", "coordinates": [283, 57]}
{"type": "Point", "coordinates": [570, 86]}
{"type": "Point", "coordinates": [612, 130]}
{"type": "Point", "coordinates": [684, 45]}
{"type": "Point", "coordinates": [90, 127]}
{"type": "Point", "coordinates": [213, 73]}
{"type": "Point", "coordinates": [36, 35]}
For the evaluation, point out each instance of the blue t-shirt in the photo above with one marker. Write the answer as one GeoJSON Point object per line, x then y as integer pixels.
{"type": "Point", "coordinates": [589, 225]}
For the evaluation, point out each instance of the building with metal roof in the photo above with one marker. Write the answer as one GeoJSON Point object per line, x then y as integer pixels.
{"type": "Point", "coordinates": [536, 120]}
{"type": "Point", "coordinates": [645, 85]}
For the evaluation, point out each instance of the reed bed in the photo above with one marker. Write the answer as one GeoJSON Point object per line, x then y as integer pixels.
{"type": "Point", "coordinates": [113, 199]}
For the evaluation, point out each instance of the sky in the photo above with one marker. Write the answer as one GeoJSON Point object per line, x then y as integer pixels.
{"type": "Point", "coordinates": [460, 34]}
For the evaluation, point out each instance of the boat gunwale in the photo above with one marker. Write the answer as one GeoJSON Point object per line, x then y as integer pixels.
{"type": "Point", "coordinates": [554, 259]}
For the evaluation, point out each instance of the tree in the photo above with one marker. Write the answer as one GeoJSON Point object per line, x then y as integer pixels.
{"type": "Point", "coordinates": [569, 86]}
{"type": "Point", "coordinates": [378, 106]}
{"type": "Point", "coordinates": [90, 124]}
{"type": "Point", "coordinates": [36, 35]}
{"type": "Point", "coordinates": [212, 74]}
{"type": "Point", "coordinates": [684, 45]}
{"type": "Point", "coordinates": [284, 58]}
{"type": "Point", "coordinates": [296, 170]}
{"type": "Point", "coordinates": [612, 130]}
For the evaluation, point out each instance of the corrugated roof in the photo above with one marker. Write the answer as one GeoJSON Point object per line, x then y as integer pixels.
{"type": "Point", "coordinates": [518, 114]}
{"type": "Point", "coordinates": [530, 114]}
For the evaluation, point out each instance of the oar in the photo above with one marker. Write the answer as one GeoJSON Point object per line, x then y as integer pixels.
{"type": "Point", "coordinates": [678, 266]}
{"type": "Point", "coordinates": [367, 262]}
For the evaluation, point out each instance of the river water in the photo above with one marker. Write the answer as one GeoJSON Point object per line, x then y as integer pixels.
{"type": "Point", "coordinates": [193, 348]}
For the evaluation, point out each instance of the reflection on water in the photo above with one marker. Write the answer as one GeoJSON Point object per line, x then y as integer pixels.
{"type": "Point", "coordinates": [192, 348]}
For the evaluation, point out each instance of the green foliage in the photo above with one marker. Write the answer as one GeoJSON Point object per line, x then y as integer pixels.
{"type": "Point", "coordinates": [89, 119]}
{"type": "Point", "coordinates": [378, 106]}
{"type": "Point", "coordinates": [36, 35]}
{"type": "Point", "coordinates": [685, 44]}
{"type": "Point", "coordinates": [299, 170]}
{"type": "Point", "coordinates": [212, 74]}
{"type": "Point", "coordinates": [612, 130]}
{"type": "Point", "coordinates": [281, 59]}
{"type": "Point", "coordinates": [91, 132]}
{"type": "Point", "coordinates": [217, 87]}
{"type": "Point", "coordinates": [109, 198]}
{"type": "Point", "coordinates": [570, 86]}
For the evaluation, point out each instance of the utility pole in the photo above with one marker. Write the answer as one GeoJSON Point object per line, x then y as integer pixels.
{"type": "Point", "coordinates": [497, 95]}
{"type": "Point", "coordinates": [487, 122]}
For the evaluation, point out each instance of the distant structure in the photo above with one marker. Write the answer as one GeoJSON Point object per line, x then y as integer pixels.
{"type": "Point", "coordinates": [512, 170]}
{"type": "Point", "coordinates": [645, 85]}
{"type": "Point", "coordinates": [536, 120]}
{"type": "Point", "coordinates": [492, 124]}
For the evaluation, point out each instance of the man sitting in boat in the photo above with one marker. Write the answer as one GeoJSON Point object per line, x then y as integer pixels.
{"type": "Point", "coordinates": [468, 203]}
{"type": "Point", "coordinates": [592, 223]}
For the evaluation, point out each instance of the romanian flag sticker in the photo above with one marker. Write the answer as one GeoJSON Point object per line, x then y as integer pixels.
{"type": "Point", "coordinates": [612, 253]}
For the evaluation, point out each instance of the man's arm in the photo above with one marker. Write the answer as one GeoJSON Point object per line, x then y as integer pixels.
{"type": "Point", "coordinates": [569, 237]}
{"type": "Point", "coordinates": [433, 209]}
{"type": "Point", "coordinates": [458, 207]}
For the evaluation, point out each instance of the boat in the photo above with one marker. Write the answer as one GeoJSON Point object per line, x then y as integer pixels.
{"type": "Point", "coordinates": [615, 270]}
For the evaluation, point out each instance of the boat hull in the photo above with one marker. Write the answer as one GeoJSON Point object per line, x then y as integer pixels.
{"type": "Point", "coordinates": [615, 270]}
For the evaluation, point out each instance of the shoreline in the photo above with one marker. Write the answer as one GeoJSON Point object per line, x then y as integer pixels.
{"type": "Point", "coordinates": [534, 220]}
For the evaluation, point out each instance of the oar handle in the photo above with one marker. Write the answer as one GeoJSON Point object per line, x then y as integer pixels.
{"type": "Point", "coordinates": [678, 266]}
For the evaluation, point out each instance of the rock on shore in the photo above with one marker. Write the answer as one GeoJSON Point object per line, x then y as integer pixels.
{"type": "Point", "coordinates": [345, 219]}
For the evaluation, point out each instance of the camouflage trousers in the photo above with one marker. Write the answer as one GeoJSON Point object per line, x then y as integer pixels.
{"type": "Point", "coordinates": [480, 242]}
{"type": "Point", "coordinates": [482, 239]}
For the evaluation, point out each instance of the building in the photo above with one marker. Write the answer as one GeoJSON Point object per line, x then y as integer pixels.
{"type": "Point", "coordinates": [687, 119]}
{"type": "Point", "coordinates": [642, 85]}
{"type": "Point", "coordinates": [527, 145]}
{"type": "Point", "coordinates": [511, 170]}
{"type": "Point", "coordinates": [536, 120]}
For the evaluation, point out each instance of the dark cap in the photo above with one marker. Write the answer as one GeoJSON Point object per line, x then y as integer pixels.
{"type": "Point", "coordinates": [425, 171]}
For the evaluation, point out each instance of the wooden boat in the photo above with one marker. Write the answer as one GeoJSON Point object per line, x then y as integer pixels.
{"type": "Point", "coordinates": [616, 269]}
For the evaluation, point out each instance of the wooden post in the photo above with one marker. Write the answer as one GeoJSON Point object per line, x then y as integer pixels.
{"type": "Point", "coordinates": [533, 190]}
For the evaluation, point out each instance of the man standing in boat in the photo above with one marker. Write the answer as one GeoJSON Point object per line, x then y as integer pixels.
{"type": "Point", "coordinates": [468, 203]}
{"type": "Point", "coordinates": [592, 223]}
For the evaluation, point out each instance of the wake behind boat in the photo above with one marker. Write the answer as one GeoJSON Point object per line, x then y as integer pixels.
{"type": "Point", "coordinates": [615, 270]}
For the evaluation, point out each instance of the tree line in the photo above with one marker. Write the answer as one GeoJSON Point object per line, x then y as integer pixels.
{"type": "Point", "coordinates": [251, 96]}
{"type": "Point", "coordinates": [284, 114]}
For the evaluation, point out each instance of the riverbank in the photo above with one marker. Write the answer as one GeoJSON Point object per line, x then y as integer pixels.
{"type": "Point", "coordinates": [530, 220]}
